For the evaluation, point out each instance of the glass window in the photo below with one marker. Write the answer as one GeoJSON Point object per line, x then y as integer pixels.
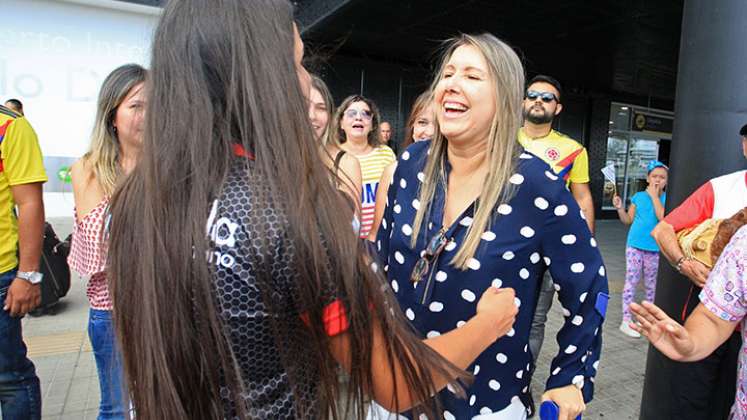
{"type": "Point", "coordinates": [619, 117]}
{"type": "Point", "coordinates": [617, 152]}
{"type": "Point", "coordinates": [642, 151]}
{"type": "Point", "coordinates": [630, 151]}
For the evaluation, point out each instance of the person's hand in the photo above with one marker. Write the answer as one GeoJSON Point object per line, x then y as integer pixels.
{"type": "Point", "coordinates": [22, 297]}
{"type": "Point", "coordinates": [663, 332]}
{"type": "Point", "coordinates": [617, 202]}
{"type": "Point", "coordinates": [569, 400]}
{"type": "Point", "coordinates": [499, 306]}
{"type": "Point", "coordinates": [696, 271]}
{"type": "Point", "coordinates": [654, 190]}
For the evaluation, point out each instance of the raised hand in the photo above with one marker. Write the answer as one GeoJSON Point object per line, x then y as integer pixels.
{"type": "Point", "coordinates": [654, 190]}
{"type": "Point", "coordinates": [499, 305]}
{"type": "Point", "coordinates": [617, 202]}
{"type": "Point", "coordinates": [663, 332]}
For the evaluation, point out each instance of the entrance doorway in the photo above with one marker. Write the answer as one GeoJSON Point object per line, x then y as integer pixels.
{"type": "Point", "coordinates": [636, 136]}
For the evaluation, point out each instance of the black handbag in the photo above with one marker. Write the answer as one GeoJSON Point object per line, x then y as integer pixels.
{"type": "Point", "coordinates": [56, 281]}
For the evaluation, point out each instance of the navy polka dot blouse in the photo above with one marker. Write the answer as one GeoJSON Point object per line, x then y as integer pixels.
{"type": "Point", "coordinates": [541, 227]}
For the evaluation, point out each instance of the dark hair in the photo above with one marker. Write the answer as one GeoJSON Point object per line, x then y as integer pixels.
{"type": "Point", "coordinates": [16, 105]}
{"type": "Point", "coordinates": [421, 102]}
{"type": "Point", "coordinates": [743, 131]}
{"type": "Point", "coordinates": [235, 81]}
{"type": "Point", "coordinates": [374, 137]}
{"type": "Point", "coordinates": [549, 80]}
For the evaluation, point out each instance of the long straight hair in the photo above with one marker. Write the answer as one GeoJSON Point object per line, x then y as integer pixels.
{"type": "Point", "coordinates": [507, 74]}
{"type": "Point", "coordinates": [423, 101]}
{"type": "Point", "coordinates": [223, 74]}
{"type": "Point", "coordinates": [103, 155]}
{"type": "Point", "coordinates": [318, 84]}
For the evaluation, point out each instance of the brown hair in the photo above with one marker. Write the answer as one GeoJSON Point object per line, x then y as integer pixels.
{"type": "Point", "coordinates": [318, 84]}
{"type": "Point", "coordinates": [211, 89]}
{"type": "Point", "coordinates": [423, 101]}
{"type": "Point", "coordinates": [726, 229]}
{"type": "Point", "coordinates": [374, 138]}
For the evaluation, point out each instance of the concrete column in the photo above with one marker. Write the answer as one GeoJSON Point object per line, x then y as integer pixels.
{"type": "Point", "coordinates": [710, 108]}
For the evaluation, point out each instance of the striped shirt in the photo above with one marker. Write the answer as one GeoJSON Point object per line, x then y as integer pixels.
{"type": "Point", "coordinates": [372, 166]}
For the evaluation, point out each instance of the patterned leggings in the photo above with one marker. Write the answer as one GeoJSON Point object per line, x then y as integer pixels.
{"type": "Point", "coordinates": [637, 260]}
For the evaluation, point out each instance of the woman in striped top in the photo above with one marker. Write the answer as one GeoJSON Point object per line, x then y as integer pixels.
{"type": "Point", "coordinates": [357, 121]}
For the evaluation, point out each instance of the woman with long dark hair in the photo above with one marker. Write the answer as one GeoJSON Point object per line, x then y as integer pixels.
{"type": "Point", "coordinates": [467, 210]}
{"type": "Point", "coordinates": [236, 291]}
{"type": "Point", "coordinates": [115, 147]}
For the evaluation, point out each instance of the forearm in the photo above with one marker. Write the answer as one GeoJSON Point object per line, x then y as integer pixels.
{"type": "Point", "coordinates": [623, 215]}
{"type": "Point", "coordinates": [588, 208]}
{"type": "Point", "coordinates": [460, 346]}
{"type": "Point", "coordinates": [582, 194]}
{"type": "Point", "coordinates": [658, 209]}
{"type": "Point", "coordinates": [30, 235]}
{"type": "Point", "coordinates": [706, 332]}
{"type": "Point", "coordinates": [666, 238]}
{"type": "Point", "coordinates": [381, 195]}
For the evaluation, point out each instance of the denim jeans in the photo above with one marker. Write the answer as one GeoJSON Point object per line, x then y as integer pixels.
{"type": "Point", "coordinates": [544, 302]}
{"type": "Point", "coordinates": [108, 364]}
{"type": "Point", "coordinates": [20, 394]}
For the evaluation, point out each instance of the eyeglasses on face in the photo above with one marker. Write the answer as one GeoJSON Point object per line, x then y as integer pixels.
{"type": "Point", "coordinates": [354, 113]}
{"type": "Point", "coordinates": [434, 248]}
{"type": "Point", "coordinates": [546, 97]}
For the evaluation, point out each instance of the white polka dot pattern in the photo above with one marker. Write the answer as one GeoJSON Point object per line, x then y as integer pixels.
{"type": "Point", "coordinates": [526, 232]}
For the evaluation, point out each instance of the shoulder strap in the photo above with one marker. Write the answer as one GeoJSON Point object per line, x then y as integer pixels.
{"type": "Point", "coordinates": [338, 158]}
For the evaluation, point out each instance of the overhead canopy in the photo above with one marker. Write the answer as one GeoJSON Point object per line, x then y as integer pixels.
{"type": "Point", "coordinates": [604, 45]}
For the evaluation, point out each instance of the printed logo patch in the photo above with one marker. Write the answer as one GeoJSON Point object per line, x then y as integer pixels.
{"type": "Point", "coordinates": [552, 153]}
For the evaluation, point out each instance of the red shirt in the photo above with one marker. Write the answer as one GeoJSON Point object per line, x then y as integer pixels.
{"type": "Point", "coordinates": [719, 198]}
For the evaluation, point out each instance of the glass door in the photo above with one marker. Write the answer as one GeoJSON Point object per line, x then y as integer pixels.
{"type": "Point", "coordinates": [642, 150]}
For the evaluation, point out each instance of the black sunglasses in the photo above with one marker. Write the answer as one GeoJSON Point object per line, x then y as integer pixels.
{"type": "Point", "coordinates": [545, 96]}
{"type": "Point", "coordinates": [434, 248]}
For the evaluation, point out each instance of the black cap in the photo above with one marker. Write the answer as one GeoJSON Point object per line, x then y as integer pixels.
{"type": "Point", "coordinates": [743, 131]}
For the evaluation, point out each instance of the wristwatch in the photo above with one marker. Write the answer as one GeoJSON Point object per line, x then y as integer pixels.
{"type": "Point", "coordinates": [33, 277]}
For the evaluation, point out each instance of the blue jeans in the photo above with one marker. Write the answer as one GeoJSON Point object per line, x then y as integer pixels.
{"type": "Point", "coordinates": [108, 364]}
{"type": "Point", "coordinates": [20, 394]}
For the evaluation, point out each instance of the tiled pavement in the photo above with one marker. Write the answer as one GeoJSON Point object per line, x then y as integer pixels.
{"type": "Point", "coordinates": [59, 347]}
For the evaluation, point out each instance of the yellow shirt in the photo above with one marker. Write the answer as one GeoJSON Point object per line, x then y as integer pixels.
{"type": "Point", "coordinates": [372, 166]}
{"type": "Point", "coordinates": [20, 163]}
{"type": "Point", "coordinates": [567, 157]}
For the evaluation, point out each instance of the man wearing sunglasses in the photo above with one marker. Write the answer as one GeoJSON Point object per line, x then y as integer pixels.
{"type": "Point", "coordinates": [567, 158]}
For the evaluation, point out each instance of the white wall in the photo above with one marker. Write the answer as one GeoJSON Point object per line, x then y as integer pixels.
{"type": "Point", "coordinates": [53, 57]}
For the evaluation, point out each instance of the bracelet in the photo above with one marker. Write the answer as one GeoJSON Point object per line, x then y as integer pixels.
{"type": "Point", "coordinates": [680, 261]}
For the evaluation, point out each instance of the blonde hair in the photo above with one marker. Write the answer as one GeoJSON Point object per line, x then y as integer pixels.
{"type": "Point", "coordinates": [103, 155]}
{"type": "Point", "coordinates": [423, 101]}
{"type": "Point", "coordinates": [507, 73]}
